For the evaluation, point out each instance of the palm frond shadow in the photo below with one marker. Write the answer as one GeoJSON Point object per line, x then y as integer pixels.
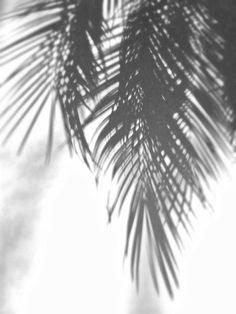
{"type": "Point", "coordinates": [155, 79]}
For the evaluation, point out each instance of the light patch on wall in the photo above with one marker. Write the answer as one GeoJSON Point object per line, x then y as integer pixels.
{"type": "Point", "coordinates": [78, 262]}
{"type": "Point", "coordinates": [78, 265]}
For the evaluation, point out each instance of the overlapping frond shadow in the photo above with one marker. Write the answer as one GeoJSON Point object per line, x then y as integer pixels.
{"type": "Point", "coordinates": [152, 77]}
{"type": "Point", "coordinates": [53, 57]}
{"type": "Point", "coordinates": [167, 129]}
{"type": "Point", "coordinates": [224, 14]}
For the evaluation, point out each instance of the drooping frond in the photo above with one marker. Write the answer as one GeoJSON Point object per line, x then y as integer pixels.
{"type": "Point", "coordinates": [156, 75]}
{"type": "Point", "coordinates": [167, 130]}
{"type": "Point", "coordinates": [51, 54]}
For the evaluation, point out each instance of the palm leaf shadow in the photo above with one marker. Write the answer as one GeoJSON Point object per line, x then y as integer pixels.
{"type": "Point", "coordinates": [154, 79]}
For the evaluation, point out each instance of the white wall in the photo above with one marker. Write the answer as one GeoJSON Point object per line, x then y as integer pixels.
{"type": "Point", "coordinates": [58, 255]}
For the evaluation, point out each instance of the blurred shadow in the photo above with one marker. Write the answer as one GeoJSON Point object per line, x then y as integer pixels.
{"type": "Point", "coordinates": [23, 182]}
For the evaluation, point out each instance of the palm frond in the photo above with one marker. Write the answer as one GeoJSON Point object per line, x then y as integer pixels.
{"type": "Point", "coordinates": [224, 23]}
{"type": "Point", "coordinates": [52, 48]}
{"type": "Point", "coordinates": [167, 125]}
{"type": "Point", "coordinates": [154, 75]}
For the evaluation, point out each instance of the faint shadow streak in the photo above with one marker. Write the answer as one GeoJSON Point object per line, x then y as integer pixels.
{"type": "Point", "coordinates": [24, 181]}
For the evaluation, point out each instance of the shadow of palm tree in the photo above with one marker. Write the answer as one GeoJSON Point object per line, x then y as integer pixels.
{"type": "Point", "coordinates": [153, 82]}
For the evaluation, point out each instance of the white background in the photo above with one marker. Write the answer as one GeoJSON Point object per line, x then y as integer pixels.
{"type": "Point", "coordinates": [58, 255]}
